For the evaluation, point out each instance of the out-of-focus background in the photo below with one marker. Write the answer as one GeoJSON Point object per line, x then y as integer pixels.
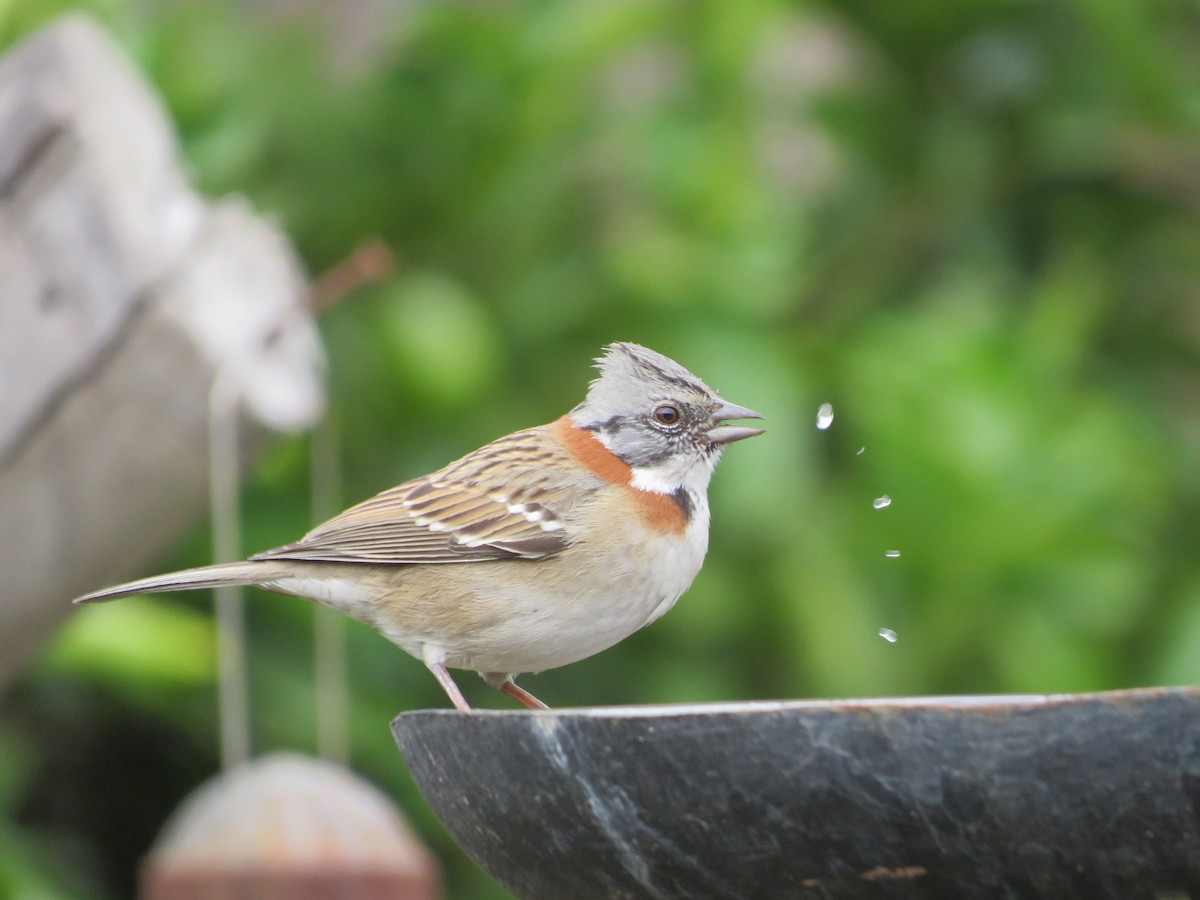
{"type": "Point", "coordinates": [974, 229]}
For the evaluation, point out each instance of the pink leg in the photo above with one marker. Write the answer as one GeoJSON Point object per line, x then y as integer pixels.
{"type": "Point", "coordinates": [521, 695]}
{"type": "Point", "coordinates": [451, 689]}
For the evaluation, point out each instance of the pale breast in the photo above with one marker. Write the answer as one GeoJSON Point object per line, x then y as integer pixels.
{"type": "Point", "coordinates": [544, 614]}
{"type": "Point", "coordinates": [528, 616]}
{"type": "Point", "coordinates": [523, 615]}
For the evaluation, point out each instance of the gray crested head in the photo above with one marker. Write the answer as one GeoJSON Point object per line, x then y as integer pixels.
{"type": "Point", "coordinates": [657, 416]}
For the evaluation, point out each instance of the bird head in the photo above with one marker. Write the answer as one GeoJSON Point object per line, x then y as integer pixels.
{"type": "Point", "coordinates": [658, 417]}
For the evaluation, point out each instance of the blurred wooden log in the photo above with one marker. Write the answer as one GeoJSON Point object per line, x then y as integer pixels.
{"type": "Point", "coordinates": [288, 826]}
{"type": "Point", "coordinates": [122, 294]}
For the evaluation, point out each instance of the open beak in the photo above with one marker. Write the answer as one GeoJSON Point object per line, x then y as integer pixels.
{"type": "Point", "coordinates": [727, 434]}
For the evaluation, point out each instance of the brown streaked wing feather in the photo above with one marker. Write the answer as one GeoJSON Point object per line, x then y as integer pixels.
{"type": "Point", "coordinates": [451, 516]}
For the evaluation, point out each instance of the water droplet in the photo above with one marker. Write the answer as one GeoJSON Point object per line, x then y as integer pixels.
{"type": "Point", "coordinates": [888, 635]}
{"type": "Point", "coordinates": [892, 554]}
{"type": "Point", "coordinates": [860, 451]}
{"type": "Point", "coordinates": [824, 416]}
{"type": "Point", "coordinates": [882, 502]}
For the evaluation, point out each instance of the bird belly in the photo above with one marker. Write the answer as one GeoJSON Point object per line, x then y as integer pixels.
{"type": "Point", "coordinates": [528, 616]}
{"type": "Point", "coordinates": [513, 616]}
{"type": "Point", "coordinates": [568, 607]}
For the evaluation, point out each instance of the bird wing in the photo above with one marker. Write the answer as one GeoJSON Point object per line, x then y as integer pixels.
{"type": "Point", "coordinates": [458, 514]}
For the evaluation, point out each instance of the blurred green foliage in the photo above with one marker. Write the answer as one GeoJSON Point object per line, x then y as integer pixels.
{"type": "Point", "coordinates": [973, 228]}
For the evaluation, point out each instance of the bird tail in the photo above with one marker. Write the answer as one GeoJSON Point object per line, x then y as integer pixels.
{"type": "Point", "coordinates": [222, 575]}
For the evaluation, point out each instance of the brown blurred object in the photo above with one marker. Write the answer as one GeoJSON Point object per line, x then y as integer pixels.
{"type": "Point", "coordinates": [287, 826]}
{"type": "Point", "coordinates": [371, 262]}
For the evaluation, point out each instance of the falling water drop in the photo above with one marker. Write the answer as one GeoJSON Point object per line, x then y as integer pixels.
{"type": "Point", "coordinates": [824, 416]}
{"type": "Point", "coordinates": [892, 554]}
{"type": "Point", "coordinates": [860, 451]}
{"type": "Point", "coordinates": [882, 502]}
{"type": "Point", "coordinates": [888, 635]}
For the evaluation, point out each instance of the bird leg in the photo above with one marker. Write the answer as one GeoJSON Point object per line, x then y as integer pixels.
{"type": "Point", "coordinates": [521, 695]}
{"type": "Point", "coordinates": [460, 702]}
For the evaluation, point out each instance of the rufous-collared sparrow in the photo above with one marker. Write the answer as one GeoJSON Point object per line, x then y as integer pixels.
{"type": "Point", "coordinates": [537, 550]}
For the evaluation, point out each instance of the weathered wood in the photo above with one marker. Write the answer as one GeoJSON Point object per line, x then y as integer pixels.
{"type": "Point", "coordinates": [122, 294]}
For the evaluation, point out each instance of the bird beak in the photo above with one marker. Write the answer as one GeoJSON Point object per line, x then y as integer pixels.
{"type": "Point", "coordinates": [727, 434]}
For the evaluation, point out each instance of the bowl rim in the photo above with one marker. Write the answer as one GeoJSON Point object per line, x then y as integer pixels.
{"type": "Point", "coordinates": [965, 702]}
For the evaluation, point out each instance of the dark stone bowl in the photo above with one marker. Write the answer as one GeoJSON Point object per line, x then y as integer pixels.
{"type": "Point", "coordinates": [1086, 795]}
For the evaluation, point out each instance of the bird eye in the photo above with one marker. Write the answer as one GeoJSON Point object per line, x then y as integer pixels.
{"type": "Point", "coordinates": [666, 415]}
